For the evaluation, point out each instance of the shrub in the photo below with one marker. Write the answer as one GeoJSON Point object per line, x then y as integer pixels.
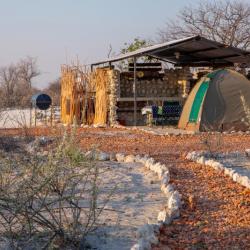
{"type": "Point", "coordinates": [49, 201]}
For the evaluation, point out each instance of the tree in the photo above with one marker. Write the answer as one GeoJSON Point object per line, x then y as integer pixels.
{"type": "Point", "coordinates": [16, 83]}
{"type": "Point", "coordinates": [227, 22]}
{"type": "Point", "coordinates": [54, 91]}
{"type": "Point", "coordinates": [133, 46]}
{"type": "Point", "coordinates": [27, 71]}
{"type": "Point", "coordinates": [8, 83]}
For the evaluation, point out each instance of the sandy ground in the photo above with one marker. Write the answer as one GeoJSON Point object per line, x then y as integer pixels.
{"type": "Point", "coordinates": [137, 200]}
{"type": "Point", "coordinates": [20, 118]}
{"type": "Point", "coordinates": [240, 163]}
{"type": "Point", "coordinates": [158, 130]}
{"type": "Point", "coordinates": [15, 118]}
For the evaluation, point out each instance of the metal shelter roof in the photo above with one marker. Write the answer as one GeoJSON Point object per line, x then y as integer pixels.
{"type": "Point", "coordinates": [190, 51]}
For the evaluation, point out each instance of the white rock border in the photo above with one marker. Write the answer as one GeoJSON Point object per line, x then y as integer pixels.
{"type": "Point", "coordinates": [204, 159]}
{"type": "Point", "coordinates": [148, 233]}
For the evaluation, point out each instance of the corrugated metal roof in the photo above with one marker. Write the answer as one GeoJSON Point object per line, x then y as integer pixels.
{"type": "Point", "coordinates": [189, 51]}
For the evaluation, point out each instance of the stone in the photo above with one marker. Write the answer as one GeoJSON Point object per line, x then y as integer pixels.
{"type": "Point", "coordinates": [247, 151]}
{"type": "Point", "coordinates": [143, 160]}
{"type": "Point", "coordinates": [160, 173]}
{"type": "Point", "coordinates": [174, 213]}
{"type": "Point", "coordinates": [174, 200]}
{"type": "Point", "coordinates": [112, 157]}
{"type": "Point", "coordinates": [201, 160]}
{"type": "Point", "coordinates": [209, 162]}
{"type": "Point", "coordinates": [137, 158]}
{"type": "Point", "coordinates": [164, 167]}
{"type": "Point", "coordinates": [165, 178]}
{"type": "Point", "coordinates": [101, 156]}
{"type": "Point", "coordinates": [244, 181]}
{"type": "Point", "coordinates": [129, 159]}
{"type": "Point", "coordinates": [217, 166]}
{"type": "Point", "coordinates": [120, 157]}
{"type": "Point", "coordinates": [167, 189]}
{"type": "Point", "coordinates": [164, 217]}
{"type": "Point", "coordinates": [149, 162]}
{"type": "Point", "coordinates": [227, 171]}
{"type": "Point", "coordinates": [192, 156]}
{"type": "Point", "coordinates": [236, 177]}
{"type": "Point", "coordinates": [231, 173]}
{"type": "Point", "coordinates": [155, 166]}
{"type": "Point", "coordinates": [90, 155]}
{"type": "Point", "coordinates": [142, 245]}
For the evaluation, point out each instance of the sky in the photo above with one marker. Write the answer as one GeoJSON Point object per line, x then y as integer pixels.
{"type": "Point", "coordinates": [56, 32]}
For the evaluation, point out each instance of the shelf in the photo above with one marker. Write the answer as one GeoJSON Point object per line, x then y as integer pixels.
{"type": "Point", "coordinates": [145, 99]}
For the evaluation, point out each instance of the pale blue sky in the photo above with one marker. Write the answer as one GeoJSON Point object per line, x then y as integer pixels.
{"type": "Point", "coordinates": [54, 31]}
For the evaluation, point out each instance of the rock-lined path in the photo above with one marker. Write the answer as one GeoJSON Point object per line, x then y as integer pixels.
{"type": "Point", "coordinates": [216, 211]}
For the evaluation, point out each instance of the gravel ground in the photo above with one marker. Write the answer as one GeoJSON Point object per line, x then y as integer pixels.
{"type": "Point", "coordinates": [216, 213]}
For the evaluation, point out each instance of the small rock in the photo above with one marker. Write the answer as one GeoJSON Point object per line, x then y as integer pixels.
{"type": "Point", "coordinates": [120, 157]}
{"type": "Point", "coordinates": [201, 160]}
{"type": "Point", "coordinates": [112, 157]}
{"type": "Point", "coordinates": [164, 217]}
{"type": "Point", "coordinates": [101, 156]}
{"type": "Point", "coordinates": [167, 189]}
{"type": "Point", "coordinates": [165, 178]}
{"type": "Point", "coordinates": [247, 151]}
{"type": "Point", "coordinates": [129, 159]}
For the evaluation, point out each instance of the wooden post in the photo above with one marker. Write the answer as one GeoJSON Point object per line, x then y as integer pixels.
{"type": "Point", "coordinates": [45, 117]}
{"type": "Point", "coordinates": [134, 89]}
{"type": "Point", "coordinates": [30, 115]}
{"type": "Point", "coordinates": [51, 115]}
{"type": "Point", "coordinates": [35, 116]}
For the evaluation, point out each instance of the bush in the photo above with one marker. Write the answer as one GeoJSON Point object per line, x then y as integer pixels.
{"type": "Point", "coordinates": [49, 201]}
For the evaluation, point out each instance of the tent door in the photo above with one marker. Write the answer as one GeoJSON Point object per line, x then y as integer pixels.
{"type": "Point", "coordinates": [198, 100]}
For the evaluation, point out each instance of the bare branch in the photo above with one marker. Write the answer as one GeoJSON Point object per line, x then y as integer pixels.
{"type": "Point", "coordinates": [223, 21]}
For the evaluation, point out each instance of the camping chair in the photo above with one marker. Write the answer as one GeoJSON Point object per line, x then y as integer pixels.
{"type": "Point", "coordinates": [171, 110]}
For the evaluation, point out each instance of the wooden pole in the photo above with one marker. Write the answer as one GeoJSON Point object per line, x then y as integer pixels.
{"type": "Point", "coordinates": [134, 90]}
{"type": "Point", "coordinates": [30, 115]}
{"type": "Point", "coordinates": [51, 115]}
{"type": "Point", "coordinates": [35, 116]}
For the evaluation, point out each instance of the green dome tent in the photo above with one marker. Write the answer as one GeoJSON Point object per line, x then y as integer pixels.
{"type": "Point", "coordinates": [220, 101]}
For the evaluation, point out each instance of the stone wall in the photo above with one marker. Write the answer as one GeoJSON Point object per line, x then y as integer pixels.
{"type": "Point", "coordinates": [171, 83]}
{"type": "Point", "coordinates": [114, 82]}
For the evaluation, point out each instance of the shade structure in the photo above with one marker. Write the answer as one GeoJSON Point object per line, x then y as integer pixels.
{"type": "Point", "coordinates": [191, 51]}
{"type": "Point", "coordinates": [220, 101]}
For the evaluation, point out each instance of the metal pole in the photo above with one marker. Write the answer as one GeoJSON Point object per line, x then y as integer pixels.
{"type": "Point", "coordinates": [134, 89]}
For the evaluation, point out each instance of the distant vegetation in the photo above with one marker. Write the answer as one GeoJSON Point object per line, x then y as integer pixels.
{"type": "Point", "coordinates": [227, 22]}
{"type": "Point", "coordinates": [16, 87]}
{"type": "Point", "coordinates": [16, 83]}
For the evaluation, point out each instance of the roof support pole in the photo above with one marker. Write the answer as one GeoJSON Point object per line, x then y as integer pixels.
{"type": "Point", "coordinates": [135, 94]}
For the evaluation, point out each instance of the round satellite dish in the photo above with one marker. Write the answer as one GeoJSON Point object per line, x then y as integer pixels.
{"type": "Point", "coordinates": [41, 101]}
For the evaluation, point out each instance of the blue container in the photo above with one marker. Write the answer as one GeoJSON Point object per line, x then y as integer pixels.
{"type": "Point", "coordinates": [41, 101]}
